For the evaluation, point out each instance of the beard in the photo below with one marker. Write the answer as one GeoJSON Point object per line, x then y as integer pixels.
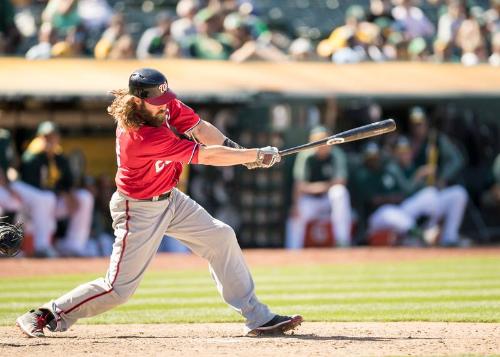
{"type": "Point", "coordinates": [150, 119]}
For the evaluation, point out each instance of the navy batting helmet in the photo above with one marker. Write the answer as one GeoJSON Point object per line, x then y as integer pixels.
{"type": "Point", "coordinates": [150, 85]}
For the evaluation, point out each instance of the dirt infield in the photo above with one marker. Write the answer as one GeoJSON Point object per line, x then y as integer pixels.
{"type": "Point", "coordinates": [260, 257]}
{"type": "Point", "coordinates": [311, 339]}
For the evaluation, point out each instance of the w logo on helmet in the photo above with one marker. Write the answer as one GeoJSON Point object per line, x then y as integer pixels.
{"type": "Point", "coordinates": [163, 87]}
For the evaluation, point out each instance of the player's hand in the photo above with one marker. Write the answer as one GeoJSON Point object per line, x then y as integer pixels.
{"type": "Point", "coordinates": [252, 165]}
{"type": "Point", "coordinates": [266, 157]}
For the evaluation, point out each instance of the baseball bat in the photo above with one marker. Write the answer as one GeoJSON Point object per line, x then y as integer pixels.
{"type": "Point", "coordinates": [362, 132]}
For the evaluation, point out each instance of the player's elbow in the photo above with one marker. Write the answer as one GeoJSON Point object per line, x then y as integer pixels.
{"type": "Point", "coordinates": [205, 155]}
{"type": "Point", "coordinates": [201, 132]}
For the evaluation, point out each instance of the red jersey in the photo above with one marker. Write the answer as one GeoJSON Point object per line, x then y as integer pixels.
{"type": "Point", "coordinates": [150, 158]}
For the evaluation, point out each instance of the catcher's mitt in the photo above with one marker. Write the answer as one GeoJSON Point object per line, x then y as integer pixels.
{"type": "Point", "coordinates": [11, 238]}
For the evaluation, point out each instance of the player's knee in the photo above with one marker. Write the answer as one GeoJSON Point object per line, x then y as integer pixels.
{"type": "Point", "coordinates": [459, 194]}
{"type": "Point", "coordinates": [228, 233]}
{"type": "Point", "coordinates": [121, 296]}
{"type": "Point", "coordinates": [226, 237]}
{"type": "Point", "coordinates": [121, 293]}
{"type": "Point", "coordinates": [337, 191]}
{"type": "Point", "coordinates": [47, 200]}
{"type": "Point", "coordinates": [429, 193]}
{"type": "Point", "coordinates": [85, 199]}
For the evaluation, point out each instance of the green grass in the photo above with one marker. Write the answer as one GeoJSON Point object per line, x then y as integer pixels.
{"type": "Point", "coordinates": [432, 290]}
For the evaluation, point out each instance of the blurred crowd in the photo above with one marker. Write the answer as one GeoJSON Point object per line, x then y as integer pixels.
{"type": "Point", "coordinates": [386, 30]}
{"type": "Point", "coordinates": [400, 30]}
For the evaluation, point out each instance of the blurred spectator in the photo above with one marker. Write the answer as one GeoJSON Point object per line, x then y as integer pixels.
{"type": "Point", "coordinates": [320, 177]}
{"type": "Point", "coordinates": [207, 43]}
{"type": "Point", "coordinates": [258, 27]}
{"type": "Point", "coordinates": [19, 197]}
{"type": "Point", "coordinates": [418, 49]}
{"type": "Point", "coordinates": [494, 59]}
{"type": "Point", "coordinates": [302, 49]}
{"type": "Point", "coordinates": [396, 47]}
{"type": "Point", "coordinates": [9, 34]}
{"type": "Point", "coordinates": [156, 41]}
{"type": "Point", "coordinates": [347, 44]}
{"type": "Point", "coordinates": [111, 36]}
{"type": "Point", "coordinates": [492, 17]}
{"type": "Point", "coordinates": [244, 47]}
{"type": "Point", "coordinates": [412, 20]}
{"type": "Point", "coordinates": [380, 12]}
{"type": "Point", "coordinates": [46, 167]}
{"type": "Point", "coordinates": [95, 15]}
{"type": "Point", "coordinates": [124, 48]}
{"type": "Point", "coordinates": [470, 40]}
{"type": "Point", "coordinates": [62, 14]}
{"type": "Point", "coordinates": [448, 26]}
{"type": "Point", "coordinates": [73, 45]}
{"type": "Point", "coordinates": [46, 39]}
{"type": "Point", "coordinates": [184, 26]}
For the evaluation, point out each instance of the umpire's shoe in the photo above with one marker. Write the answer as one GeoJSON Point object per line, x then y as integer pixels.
{"type": "Point", "coordinates": [33, 322]}
{"type": "Point", "coordinates": [278, 324]}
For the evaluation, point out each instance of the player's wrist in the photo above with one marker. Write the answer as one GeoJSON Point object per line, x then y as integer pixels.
{"type": "Point", "coordinates": [231, 144]}
{"type": "Point", "coordinates": [267, 156]}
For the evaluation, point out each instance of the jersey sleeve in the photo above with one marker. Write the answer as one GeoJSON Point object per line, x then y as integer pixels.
{"type": "Point", "coordinates": [340, 163]}
{"type": "Point", "coordinates": [300, 166]}
{"type": "Point", "coordinates": [171, 148]}
{"type": "Point", "coordinates": [182, 117]}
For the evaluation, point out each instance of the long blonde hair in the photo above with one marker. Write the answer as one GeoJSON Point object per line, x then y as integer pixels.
{"type": "Point", "coordinates": [129, 114]}
{"type": "Point", "coordinates": [123, 109]}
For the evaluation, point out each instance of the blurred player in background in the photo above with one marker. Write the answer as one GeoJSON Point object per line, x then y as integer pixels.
{"type": "Point", "coordinates": [9, 200]}
{"type": "Point", "coordinates": [415, 186]}
{"type": "Point", "coordinates": [45, 167]}
{"type": "Point", "coordinates": [320, 189]}
{"type": "Point", "coordinates": [382, 194]}
{"type": "Point", "coordinates": [32, 203]}
{"type": "Point", "coordinates": [434, 152]}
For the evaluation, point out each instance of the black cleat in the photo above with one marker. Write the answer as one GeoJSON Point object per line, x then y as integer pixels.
{"type": "Point", "coordinates": [278, 324]}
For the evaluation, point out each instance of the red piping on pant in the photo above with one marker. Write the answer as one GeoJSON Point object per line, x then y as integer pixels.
{"type": "Point", "coordinates": [127, 218]}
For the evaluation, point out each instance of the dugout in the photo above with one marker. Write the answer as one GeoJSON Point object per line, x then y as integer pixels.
{"type": "Point", "coordinates": [259, 104]}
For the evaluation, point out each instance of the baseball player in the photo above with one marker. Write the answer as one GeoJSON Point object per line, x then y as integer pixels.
{"type": "Point", "coordinates": [45, 167]}
{"type": "Point", "coordinates": [19, 196]}
{"type": "Point", "coordinates": [156, 133]}
{"type": "Point", "coordinates": [320, 178]}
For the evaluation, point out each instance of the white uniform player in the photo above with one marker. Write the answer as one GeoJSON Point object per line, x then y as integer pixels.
{"type": "Point", "coordinates": [46, 168]}
{"type": "Point", "coordinates": [19, 197]}
{"type": "Point", "coordinates": [319, 191]}
{"type": "Point", "coordinates": [446, 205]}
{"type": "Point", "coordinates": [146, 206]}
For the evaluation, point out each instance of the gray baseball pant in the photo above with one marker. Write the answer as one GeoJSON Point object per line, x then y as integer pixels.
{"type": "Point", "coordinates": [139, 228]}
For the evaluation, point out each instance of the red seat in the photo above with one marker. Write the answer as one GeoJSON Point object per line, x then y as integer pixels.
{"type": "Point", "coordinates": [383, 237]}
{"type": "Point", "coordinates": [27, 246]}
{"type": "Point", "coordinates": [319, 233]}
